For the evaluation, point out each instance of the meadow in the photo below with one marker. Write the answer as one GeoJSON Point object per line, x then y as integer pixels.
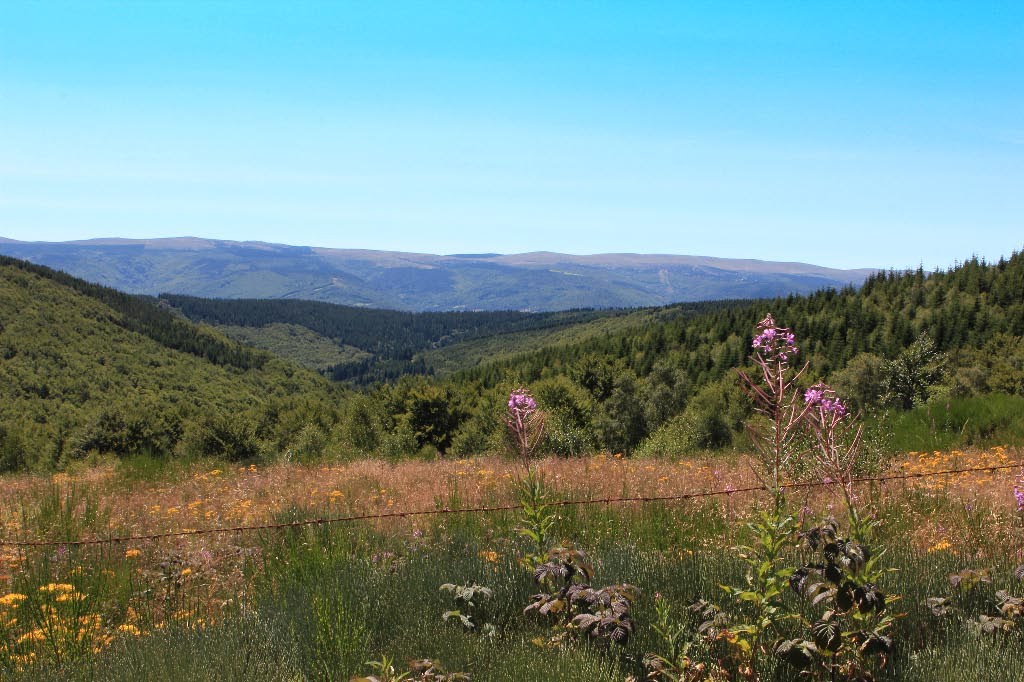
{"type": "Point", "coordinates": [319, 602]}
{"type": "Point", "coordinates": [814, 553]}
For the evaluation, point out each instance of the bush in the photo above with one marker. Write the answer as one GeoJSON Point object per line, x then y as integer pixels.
{"type": "Point", "coordinates": [12, 450]}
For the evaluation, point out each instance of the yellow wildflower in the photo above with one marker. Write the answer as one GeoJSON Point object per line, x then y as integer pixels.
{"type": "Point", "coordinates": [132, 553]}
{"type": "Point", "coordinates": [12, 599]}
{"type": "Point", "coordinates": [70, 596]}
{"type": "Point", "coordinates": [36, 635]}
{"type": "Point", "coordinates": [57, 587]}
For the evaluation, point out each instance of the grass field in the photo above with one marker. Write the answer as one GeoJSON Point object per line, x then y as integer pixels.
{"type": "Point", "coordinates": [318, 602]}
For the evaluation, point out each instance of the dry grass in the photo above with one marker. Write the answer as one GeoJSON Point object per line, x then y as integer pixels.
{"type": "Point", "coordinates": [209, 498]}
{"type": "Point", "coordinates": [963, 514]}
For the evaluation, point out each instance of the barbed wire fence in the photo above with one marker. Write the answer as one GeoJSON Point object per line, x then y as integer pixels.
{"type": "Point", "coordinates": [330, 520]}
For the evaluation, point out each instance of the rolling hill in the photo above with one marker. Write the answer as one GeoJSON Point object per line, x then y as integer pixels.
{"type": "Point", "coordinates": [84, 368]}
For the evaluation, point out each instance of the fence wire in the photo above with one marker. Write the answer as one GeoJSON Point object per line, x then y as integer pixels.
{"type": "Point", "coordinates": [641, 499]}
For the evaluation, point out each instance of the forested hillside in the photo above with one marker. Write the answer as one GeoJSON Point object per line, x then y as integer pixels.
{"type": "Point", "coordinates": [901, 340]}
{"type": "Point", "coordinates": [85, 369]}
{"type": "Point", "coordinates": [381, 344]}
{"type": "Point", "coordinates": [89, 370]}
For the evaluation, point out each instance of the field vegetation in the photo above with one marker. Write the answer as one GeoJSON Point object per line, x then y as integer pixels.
{"type": "Point", "coordinates": [320, 601]}
{"type": "Point", "coordinates": [179, 506]}
{"type": "Point", "coordinates": [475, 569]}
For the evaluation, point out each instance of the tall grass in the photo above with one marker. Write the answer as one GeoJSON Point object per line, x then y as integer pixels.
{"type": "Point", "coordinates": [977, 421]}
{"type": "Point", "coordinates": [321, 601]}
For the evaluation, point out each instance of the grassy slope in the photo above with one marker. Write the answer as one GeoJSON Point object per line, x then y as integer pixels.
{"type": "Point", "coordinates": [503, 347]}
{"type": "Point", "coordinates": [65, 360]}
{"type": "Point", "coordinates": [296, 343]}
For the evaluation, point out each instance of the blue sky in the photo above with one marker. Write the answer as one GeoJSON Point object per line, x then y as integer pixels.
{"type": "Point", "coordinates": [843, 134]}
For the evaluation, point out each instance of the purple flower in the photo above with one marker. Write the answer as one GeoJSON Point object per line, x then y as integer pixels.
{"type": "Point", "coordinates": [813, 395]}
{"type": "Point", "coordinates": [521, 400]}
{"type": "Point", "coordinates": [833, 405]}
{"type": "Point", "coordinates": [775, 344]}
{"type": "Point", "coordinates": [1018, 495]}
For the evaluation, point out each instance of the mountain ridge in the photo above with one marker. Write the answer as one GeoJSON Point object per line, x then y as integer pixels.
{"type": "Point", "coordinates": [534, 281]}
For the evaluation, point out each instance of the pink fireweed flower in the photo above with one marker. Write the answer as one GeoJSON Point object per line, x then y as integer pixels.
{"type": "Point", "coordinates": [521, 401]}
{"type": "Point", "coordinates": [525, 422]}
{"type": "Point", "coordinates": [774, 344]}
{"type": "Point", "coordinates": [813, 395]}
{"type": "Point", "coordinates": [833, 405]}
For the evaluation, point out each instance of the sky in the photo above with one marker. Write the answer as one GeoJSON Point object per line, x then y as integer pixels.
{"type": "Point", "coordinates": [868, 134]}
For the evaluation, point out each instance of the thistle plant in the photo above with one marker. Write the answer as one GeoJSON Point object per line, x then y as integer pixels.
{"type": "Point", "coordinates": [846, 617]}
{"type": "Point", "coordinates": [537, 519]}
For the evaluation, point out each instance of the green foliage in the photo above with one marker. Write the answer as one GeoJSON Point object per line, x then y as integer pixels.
{"type": "Point", "coordinates": [870, 342]}
{"type": "Point", "coordinates": [956, 423]}
{"type": "Point", "coordinates": [376, 344]}
{"type": "Point", "coordinates": [761, 609]}
{"type": "Point", "coordinates": [683, 645]}
{"type": "Point", "coordinates": [299, 344]}
{"type": "Point", "coordinates": [470, 611]}
{"type": "Point", "coordinates": [861, 382]}
{"type": "Point", "coordinates": [12, 449]}
{"type": "Point", "coordinates": [537, 518]}
{"type": "Point", "coordinates": [907, 378]}
{"type": "Point", "coordinates": [603, 614]}
{"type": "Point", "coordinates": [846, 631]}
{"type": "Point", "coordinates": [88, 370]}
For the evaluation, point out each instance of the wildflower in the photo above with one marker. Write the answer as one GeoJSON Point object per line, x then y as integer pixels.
{"type": "Point", "coordinates": [12, 599]}
{"type": "Point", "coordinates": [520, 400]}
{"type": "Point", "coordinates": [70, 597]}
{"type": "Point", "coordinates": [36, 635]}
{"type": "Point", "coordinates": [132, 553]}
{"type": "Point", "coordinates": [128, 628]}
{"type": "Point", "coordinates": [57, 587]}
{"type": "Point", "coordinates": [812, 396]}
{"type": "Point", "coordinates": [489, 556]}
{"type": "Point", "coordinates": [940, 545]}
{"type": "Point", "coordinates": [1018, 491]}
{"type": "Point", "coordinates": [775, 344]}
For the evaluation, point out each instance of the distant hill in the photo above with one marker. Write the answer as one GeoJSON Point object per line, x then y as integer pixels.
{"type": "Point", "coordinates": [84, 368]}
{"type": "Point", "coordinates": [539, 281]}
{"type": "Point", "coordinates": [364, 346]}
